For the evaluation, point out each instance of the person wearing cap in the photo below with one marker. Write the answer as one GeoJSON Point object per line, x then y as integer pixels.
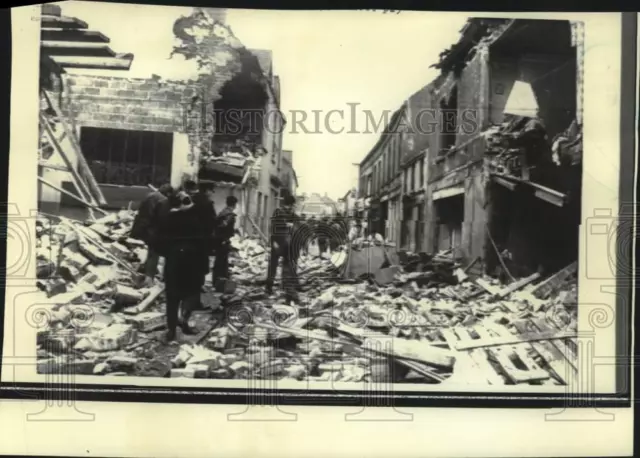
{"type": "Point", "coordinates": [225, 230]}
{"type": "Point", "coordinates": [180, 243]}
{"type": "Point", "coordinates": [282, 228]}
{"type": "Point", "coordinates": [146, 226]}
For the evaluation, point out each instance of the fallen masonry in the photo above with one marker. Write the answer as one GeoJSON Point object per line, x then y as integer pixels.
{"type": "Point", "coordinates": [412, 318]}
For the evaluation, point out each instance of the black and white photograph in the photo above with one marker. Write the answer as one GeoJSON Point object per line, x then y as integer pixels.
{"type": "Point", "coordinates": [173, 212]}
{"type": "Point", "coordinates": [321, 202]}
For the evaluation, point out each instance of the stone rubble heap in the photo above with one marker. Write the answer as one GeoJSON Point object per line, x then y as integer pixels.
{"type": "Point", "coordinates": [406, 326]}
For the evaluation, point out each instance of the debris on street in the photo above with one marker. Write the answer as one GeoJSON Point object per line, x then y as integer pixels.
{"type": "Point", "coordinates": [418, 319]}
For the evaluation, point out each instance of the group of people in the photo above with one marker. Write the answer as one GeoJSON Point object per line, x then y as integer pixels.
{"type": "Point", "coordinates": [182, 226]}
{"type": "Point", "coordinates": [328, 232]}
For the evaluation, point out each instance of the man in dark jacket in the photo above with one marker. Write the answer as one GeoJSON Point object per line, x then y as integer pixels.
{"type": "Point", "coordinates": [203, 202]}
{"type": "Point", "coordinates": [180, 242]}
{"type": "Point", "coordinates": [225, 229]}
{"type": "Point", "coordinates": [282, 227]}
{"type": "Point", "coordinates": [323, 229]}
{"type": "Point", "coordinates": [146, 226]}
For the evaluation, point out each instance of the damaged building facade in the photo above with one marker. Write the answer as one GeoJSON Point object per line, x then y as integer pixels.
{"type": "Point", "coordinates": [127, 134]}
{"type": "Point", "coordinates": [380, 187]}
{"type": "Point", "coordinates": [487, 157]}
{"type": "Point", "coordinates": [504, 180]}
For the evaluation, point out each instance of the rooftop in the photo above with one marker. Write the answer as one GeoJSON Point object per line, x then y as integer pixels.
{"type": "Point", "coordinates": [67, 42]}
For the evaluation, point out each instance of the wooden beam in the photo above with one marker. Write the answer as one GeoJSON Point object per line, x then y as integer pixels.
{"type": "Point", "coordinates": [77, 48]}
{"type": "Point", "coordinates": [78, 182]}
{"type": "Point", "coordinates": [62, 22]}
{"type": "Point", "coordinates": [549, 195]}
{"type": "Point", "coordinates": [90, 36]}
{"type": "Point", "coordinates": [73, 196]}
{"type": "Point", "coordinates": [546, 288]}
{"type": "Point", "coordinates": [515, 339]}
{"type": "Point", "coordinates": [515, 286]}
{"type": "Point", "coordinates": [103, 63]}
{"type": "Point", "coordinates": [59, 168]}
{"type": "Point", "coordinates": [84, 171]}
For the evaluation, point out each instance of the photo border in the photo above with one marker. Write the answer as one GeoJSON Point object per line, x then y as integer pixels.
{"type": "Point", "coordinates": [628, 164]}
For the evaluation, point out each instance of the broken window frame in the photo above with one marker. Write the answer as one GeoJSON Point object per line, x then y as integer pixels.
{"type": "Point", "coordinates": [108, 172]}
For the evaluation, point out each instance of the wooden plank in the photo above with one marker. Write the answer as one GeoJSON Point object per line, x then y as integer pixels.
{"type": "Point", "coordinates": [102, 63]}
{"type": "Point", "coordinates": [77, 159]}
{"type": "Point", "coordinates": [55, 34]}
{"type": "Point", "coordinates": [561, 345]}
{"type": "Point", "coordinates": [484, 284]}
{"type": "Point", "coordinates": [260, 233]}
{"type": "Point", "coordinates": [466, 368]}
{"type": "Point", "coordinates": [553, 357]}
{"type": "Point", "coordinates": [502, 355]}
{"type": "Point", "coordinates": [73, 48]}
{"type": "Point", "coordinates": [86, 235]}
{"type": "Point", "coordinates": [149, 300]}
{"type": "Point", "coordinates": [513, 339]}
{"type": "Point", "coordinates": [522, 350]}
{"type": "Point", "coordinates": [411, 349]}
{"type": "Point", "coordinates": [544, 289]}
{"type": "Point", "coordinates": [481, 359]}
{"type": "Point", "coordinates": [80, 185]}
{"type": "Point", "coordinates": [90, 206]}
{"type": "Point", "coordinates": [515, 286]}
{"type": "Point", "coordinates": [62, 22]}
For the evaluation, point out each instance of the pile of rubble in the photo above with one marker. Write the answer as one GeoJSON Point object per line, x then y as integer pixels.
{"type": "Point", "coordinates": [101, 321]}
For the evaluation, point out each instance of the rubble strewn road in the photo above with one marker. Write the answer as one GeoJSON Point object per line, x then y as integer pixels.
{"type": "Point", "coordinates": [414, 320]}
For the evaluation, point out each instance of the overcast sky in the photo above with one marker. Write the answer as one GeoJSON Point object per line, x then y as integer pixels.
{"type": "Point", "coordinates": [325, 60]}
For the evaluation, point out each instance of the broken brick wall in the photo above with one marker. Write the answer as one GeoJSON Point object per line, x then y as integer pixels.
{"type": "Point", "coordinates": [134, 104]}
{"type": "Point", "coordinates": [471, 101]}
{"type": "Point", "coordinates": [138, 105]}
{"type": "Point", "coordinates": [552, 79]}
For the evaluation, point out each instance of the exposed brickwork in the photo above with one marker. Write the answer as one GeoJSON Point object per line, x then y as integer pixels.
{"type": "Point", "coordinates": [469, 98]}
{"type": "Point", "coordinates": [137, 104]}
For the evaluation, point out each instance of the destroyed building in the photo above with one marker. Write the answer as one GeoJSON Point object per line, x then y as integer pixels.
{"type": "Point", "coordinates": [504, 157]}
{"type": "Point", "coordinates": [381, 179]}
{"type": "Point", "coordinates": [288, 175]}
{"type": "Point", "coordinates": [63, 172]}
{"type": "Point", "coordinates": [126, 134]}
{"type": "Point", "coordinates": [496, 187]}
{"type": "Point", "coordinates": [446, 326]}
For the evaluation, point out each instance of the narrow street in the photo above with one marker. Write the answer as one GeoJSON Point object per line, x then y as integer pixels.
{"type": "Point", "coordinates": [411, 320]}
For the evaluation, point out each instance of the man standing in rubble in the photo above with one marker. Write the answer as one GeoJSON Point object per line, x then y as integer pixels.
{"type": "Point", "coordinates": [225, 229]}
{"type": "Point", "coordinates": [282, 227]}
{"type": "Point", "coordinates": [180, 242]}
{"type": "Point", "coordinates": [203, 202]}
{"type": "Point", "coordinates": [146, 227]}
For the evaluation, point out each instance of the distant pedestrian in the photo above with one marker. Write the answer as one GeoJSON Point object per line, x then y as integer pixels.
{"type": "Point", "coordinates": [323, 231]}
{"type": "Point", "coordinates": [225, 230]}
{"type": "Point", "coordinates": [146, 227]}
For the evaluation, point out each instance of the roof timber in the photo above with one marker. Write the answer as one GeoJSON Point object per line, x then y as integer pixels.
{"type": "Point", "coordinates": [77, 48]}
{"type": "Point", "coordinates": [87, 36]}
{"type": "Point", "coordinates": [62, 22]}
{"type": "Point", "coordinates": [121, 62]}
